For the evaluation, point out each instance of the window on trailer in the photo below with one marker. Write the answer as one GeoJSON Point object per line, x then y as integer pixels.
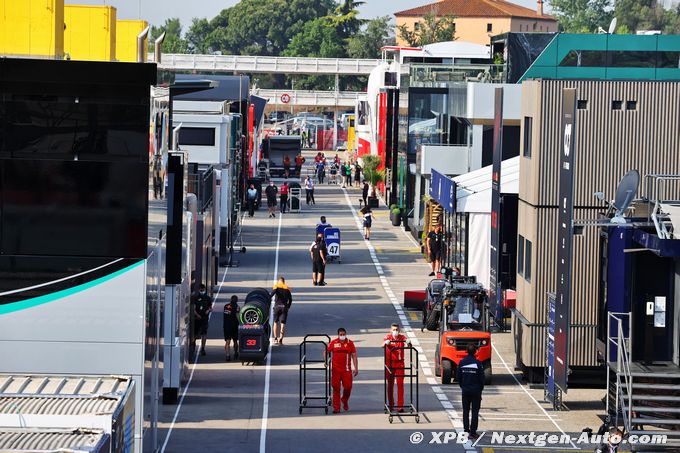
{"type": "Point", "coordinates": [528, 130]}
{"type": "Point", "coordinates": [520, 255]}
{"type": "Point", "coordinates": [197, 136]}
{"type": "Point", "coordinates": [527, 260]}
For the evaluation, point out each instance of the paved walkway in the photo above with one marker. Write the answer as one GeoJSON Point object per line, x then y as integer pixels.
{"type": "Point", "coordinates": [254, 408]}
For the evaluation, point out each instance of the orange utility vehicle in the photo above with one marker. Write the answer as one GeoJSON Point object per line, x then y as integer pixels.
{"type": "Point", "coordinates": [463, 319]}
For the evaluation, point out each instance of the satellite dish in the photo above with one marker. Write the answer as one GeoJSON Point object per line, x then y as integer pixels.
{"type": "Point", "coordinates": [625, 194]}
{"type": "Point", "coordinates": [612, 26]}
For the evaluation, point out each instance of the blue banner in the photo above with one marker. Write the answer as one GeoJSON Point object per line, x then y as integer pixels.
{"type": "Point", "coordinates": [443, 190]}
{"type": "Point", "coordinates": [550, 382]}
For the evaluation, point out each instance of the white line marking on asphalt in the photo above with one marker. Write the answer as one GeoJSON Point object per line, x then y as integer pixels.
{"type": "Point", "coordinates": [267, 376]}
{"type": "Point", "coordinates": [410, 238]}
{"type": "Point", "coordinates": [191, 376]}
{"type": "Point", "coordinates": [512, 418]}
{"type": "Point", "coordinates": [447, 405]}
{"type": "Point", "coordinates": [529, 394]}
{"type": "Point", "coordinates": [493, 414]}
{"type": "Point", "coordinates": [431, 381]}
{"type": "Point", "coordinates": [454, 418]}
{"type": "Point", "coordinates": [528, 447]}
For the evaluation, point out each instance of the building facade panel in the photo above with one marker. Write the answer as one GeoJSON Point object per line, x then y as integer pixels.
{"type": "Point", "coordinates": [620, 126]}
{"type": "Point", "coordinates": [539, 226]}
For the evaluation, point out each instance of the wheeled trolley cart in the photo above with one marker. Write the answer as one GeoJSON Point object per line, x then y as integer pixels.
{"type": "Point", "coordinates": [295, 197]}
{"type": "Point", "coordinates": [312, 345]}
{"type": "Point", "coordinates": [254, 332]}
{"type": "Point", "coordinates": [331, 236]}
{"type": "Point", "coordinates": [401, 372]}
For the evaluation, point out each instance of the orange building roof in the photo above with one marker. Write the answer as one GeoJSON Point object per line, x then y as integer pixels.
{"type": "Point", "coordinates": [474, 8]}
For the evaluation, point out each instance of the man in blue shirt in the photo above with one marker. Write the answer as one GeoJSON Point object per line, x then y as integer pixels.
{"type": "Point", "coordinates": [470, 377]}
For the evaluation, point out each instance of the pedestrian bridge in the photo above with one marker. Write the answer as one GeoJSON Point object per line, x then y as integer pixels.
{"type": "Point", "coordinates": [269, 65]}
{"type": "Point", "coordinates": [309, 98]}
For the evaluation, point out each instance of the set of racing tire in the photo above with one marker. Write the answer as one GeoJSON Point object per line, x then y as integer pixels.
{"type": "Point", "coordinates": [255, 310]}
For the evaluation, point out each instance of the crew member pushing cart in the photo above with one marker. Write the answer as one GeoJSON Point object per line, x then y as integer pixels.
{"type": "Point", "coordinates": [343, 358]}
{"type": "Point", "coordinates": [395, 342]}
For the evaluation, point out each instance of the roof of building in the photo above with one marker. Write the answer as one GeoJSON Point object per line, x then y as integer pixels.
{"type": "Point", "coordinates": [476, 8]}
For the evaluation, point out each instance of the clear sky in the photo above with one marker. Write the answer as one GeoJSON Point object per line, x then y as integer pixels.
{"type": "Point", "coordinates": [156, 11]}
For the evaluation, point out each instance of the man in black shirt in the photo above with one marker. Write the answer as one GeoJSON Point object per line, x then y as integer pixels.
{"type": "Point", "coordinates": [317, 252]}
{"type": "Point", "coordinates": [283, 299]}
{"type": "Point", "coordinates": [202, 304]}
{"type": "Point", "coordinates": [470, 377]}
{"type": "Point", "coordinates": [364, 193]}
{"type": "Point", "coordinates": [230, 327]}
{"type": "Point", "coordinates": [271, 192]}
{"type": "Point", "coordinates": [435, 248]}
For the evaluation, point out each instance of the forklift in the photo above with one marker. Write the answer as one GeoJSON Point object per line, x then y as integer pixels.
{"type": "Point", "coordinates": [463, 319]}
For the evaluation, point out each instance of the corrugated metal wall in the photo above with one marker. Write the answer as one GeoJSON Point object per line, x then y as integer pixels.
{"type": "Point", "coordinates": [585, 286]}
{"type": "Point", "coordinates": [609, 144]}
{"type": "Point", "coordinates": [50, 440]}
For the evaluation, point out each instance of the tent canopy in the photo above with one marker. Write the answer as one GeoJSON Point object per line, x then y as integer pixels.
{"type": "Point", "coordinates": [473, 192]}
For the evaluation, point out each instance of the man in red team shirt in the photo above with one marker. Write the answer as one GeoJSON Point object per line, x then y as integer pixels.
{"type": "Point", "coordinates": [343, 355]}
{"type": "Point", "coordinates": [394, 343]}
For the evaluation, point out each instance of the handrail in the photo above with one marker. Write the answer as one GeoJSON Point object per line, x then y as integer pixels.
{"type": "Point", "coordinates": [269, 64]}
{"type": "Point", "coordinates": [656, 188]}
{"type": "Point", "coordinates": [624, 378]}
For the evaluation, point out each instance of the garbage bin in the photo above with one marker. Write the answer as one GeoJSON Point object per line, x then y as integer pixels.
{"type": "Point", "coordinates": [295, 196]}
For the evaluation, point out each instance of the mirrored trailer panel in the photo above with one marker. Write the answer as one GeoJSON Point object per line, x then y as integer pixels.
{"type": "Point", "coordinates": [82, 230]}
{"type": "Point", "coordinates": [179, 268]}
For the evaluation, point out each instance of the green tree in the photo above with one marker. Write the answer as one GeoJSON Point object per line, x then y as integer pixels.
{"type": "Point", "coordinates": [634, 15]}
{"type": "Point", "coordinates": [197, 36]}
{"type": "Point", "coordinates": [317, 39]}
{"type": "Point", "coordinates": [326, 37]}
{"type": "Point", "coordinates": [582, 16]}
{"type": "Point", "coordinates": [371, 172]}
{"type": "Point", "coordinates": [262, 27]}
{"type": "Point", "coordinates": [346, 19]}
{"type": "Point", "coordinates": [376, 34]}
{"type": "Point", "coordinates": [432, 29]}
{"type": "Point", "coordinates": [173, 42]}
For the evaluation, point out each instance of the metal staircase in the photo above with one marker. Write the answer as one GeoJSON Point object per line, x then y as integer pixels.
{"type": "Point", "coordinates": [644, 402]}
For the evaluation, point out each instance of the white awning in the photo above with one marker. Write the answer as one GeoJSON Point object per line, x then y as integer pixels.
{"type": "Point", "coordinates": [473, 191]}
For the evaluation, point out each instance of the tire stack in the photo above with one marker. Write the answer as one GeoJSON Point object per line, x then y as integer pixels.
{"type": "Point", "coordinates": [255, 310]}
{"type": "Point", "coordinates": [253, 333]}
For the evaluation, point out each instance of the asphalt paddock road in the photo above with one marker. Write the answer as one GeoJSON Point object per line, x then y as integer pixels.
{"type": "Point", "coordinates": [223, 407]}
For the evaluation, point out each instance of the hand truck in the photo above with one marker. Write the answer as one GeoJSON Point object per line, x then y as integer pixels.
{"type": "Point", "coordinates": [323, 364]}
{"type": "Point", "coordinates": [409, 371]}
